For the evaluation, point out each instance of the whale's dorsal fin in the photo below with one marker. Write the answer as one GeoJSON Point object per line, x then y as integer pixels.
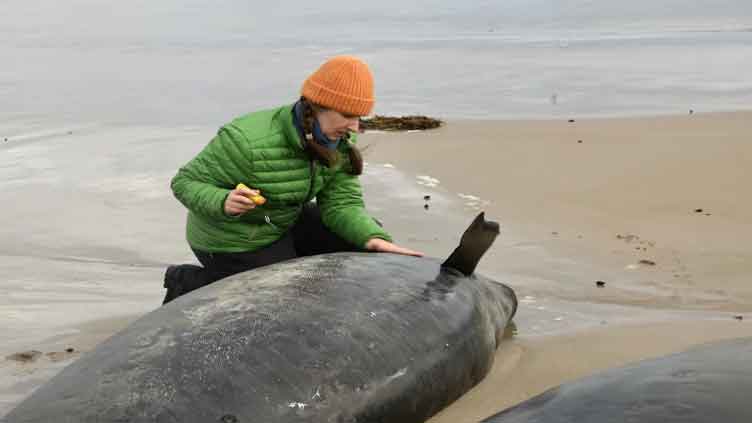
{"type": "Point", "coordinates": [476, 240]}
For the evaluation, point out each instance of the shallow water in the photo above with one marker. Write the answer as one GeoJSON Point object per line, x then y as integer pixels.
{"type": "Point", "coordinates": [186, 63]}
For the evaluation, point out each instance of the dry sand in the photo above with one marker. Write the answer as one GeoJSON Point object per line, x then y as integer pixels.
{"type": "Point", "coordinates": [627, 192]}
{"type": "Point", "coordinates": [572, 214]}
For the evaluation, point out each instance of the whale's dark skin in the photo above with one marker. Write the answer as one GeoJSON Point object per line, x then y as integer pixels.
{"type": "Point", "coordinates": [347, 337]}
{"type": "Point", "coordinates": [711, 383]}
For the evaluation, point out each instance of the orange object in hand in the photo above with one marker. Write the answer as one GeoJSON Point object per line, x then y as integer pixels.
{"type": "Point", "coordinates": [257, 199]}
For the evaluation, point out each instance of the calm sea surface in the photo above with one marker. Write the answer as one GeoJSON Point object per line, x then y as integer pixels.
{"type": "Point", "coordinates": [170, 62]}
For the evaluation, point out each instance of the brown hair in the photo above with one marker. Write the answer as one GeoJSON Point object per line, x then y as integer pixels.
{"type": "Point", "coordinates": [329, 157]}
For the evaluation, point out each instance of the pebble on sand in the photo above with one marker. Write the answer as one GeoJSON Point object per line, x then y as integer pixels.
{"type": "Point", "coordinates": [425, 206]}
{"type": "Point", "coordinates": [739, 317]}
{"type": "Point", "coordinates": [571, 120]}
{"type": "Point", "coordinates": [600, 284]}
{"type": "Point", "coordinates": [647, 262]}
{"type": "Point", "coordinates": [229, 418]}
{"type": "Point", "coordinates": [698, 210]}
{"type": "Point", "coordinates": [426, 197]}
{"type": "Point", "coordinates": [579, 141]}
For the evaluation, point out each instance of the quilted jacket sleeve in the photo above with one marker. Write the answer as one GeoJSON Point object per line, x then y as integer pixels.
{"type": "Point", "coordinates": [202, 185]}
{"type": "Point", "coordinates": [343, 210]}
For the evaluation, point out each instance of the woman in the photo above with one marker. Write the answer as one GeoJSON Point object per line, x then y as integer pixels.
{"type": "Point", "coordinates": [289, 155]}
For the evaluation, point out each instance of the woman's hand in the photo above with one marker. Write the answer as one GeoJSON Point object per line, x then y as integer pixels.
{"type": "Point", "coordinates": [238, 201]}
{"type": "Point", "coordinates": [384, 246]}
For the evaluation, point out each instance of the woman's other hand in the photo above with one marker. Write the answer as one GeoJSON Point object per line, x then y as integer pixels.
{"type": "Point", "coordinates": [384, 246]}
{"type": "Point", "coordinates": [239, 202]}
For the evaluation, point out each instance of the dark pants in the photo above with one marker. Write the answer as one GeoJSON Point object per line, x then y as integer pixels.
{"type": "Point", "coordinates": [307, 237]}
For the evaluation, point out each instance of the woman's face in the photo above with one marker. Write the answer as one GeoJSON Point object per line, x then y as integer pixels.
{"type": "Point", "coordinates": [335, 125]}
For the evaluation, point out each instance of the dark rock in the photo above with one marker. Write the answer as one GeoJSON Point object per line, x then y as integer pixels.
{"type": "Point", "coordinates": [426, 197]}
{"type": "Point", "coordinates": [579, 141]}
{"type": "Point", "coordinates": [425, 206]}
{"type": "Point", "coordinates": [69, 350]}
{"type": "Point", "coordinates": [739, 317]}
{"type": "Point", "coordinates": [628, 237]}
{"type": "Point", "coordinates": [401, 123]}
{"type": "Point", "coordinates": [698, 210]}
{"type": "Point", "coordinates": [647, 262]}
{"type": "Point", "coordinates": [600, 284]}
{"type": "Point", "coordinates": [25, 357]}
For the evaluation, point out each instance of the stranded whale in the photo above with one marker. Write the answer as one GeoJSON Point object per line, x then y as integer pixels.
{"type": "Point", "coordinates": [706, 384]}
{"type": "Point", "coordinates": [346, 337]}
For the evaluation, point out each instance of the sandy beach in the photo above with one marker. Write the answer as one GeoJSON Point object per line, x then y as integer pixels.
{"type": "Point", "coordinates": [653, 207]}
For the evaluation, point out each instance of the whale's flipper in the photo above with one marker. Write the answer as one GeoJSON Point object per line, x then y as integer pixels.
{"type": "Point", "coordinates": [476, 240]}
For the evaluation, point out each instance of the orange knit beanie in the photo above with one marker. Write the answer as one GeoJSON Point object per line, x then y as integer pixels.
{"type": "Point", "coordinates": [342, 83]}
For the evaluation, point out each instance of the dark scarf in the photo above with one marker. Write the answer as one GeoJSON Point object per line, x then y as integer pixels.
{"type": "Point", "coordinates": [318, 136]}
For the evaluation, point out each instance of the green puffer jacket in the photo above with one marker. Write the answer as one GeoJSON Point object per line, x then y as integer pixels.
{"type": "Point", "coordinates": [264, 151]}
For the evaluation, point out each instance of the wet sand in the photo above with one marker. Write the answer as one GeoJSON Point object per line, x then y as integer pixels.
{"type": "Point", "coordinates": [96, 225]}
{"type": "Point", "coordinates": [611, 200]}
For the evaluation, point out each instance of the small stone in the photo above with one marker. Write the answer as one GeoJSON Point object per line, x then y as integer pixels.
{"type": "Point", "coordinates": [425, 206]}
{"type": "Point", "coordinates": [579, 141]}
{"type": "Point", "coordinates": [739, 317]}
{"type": "Point", "coordinates": [698, 210]}
{"type": "Point", "coordinates": [707, 214]}
{"type": "Point", "coordinates": [571, 120]}
{"type": "Point", "coordinates": [647, 262]}
{"type": "Point", "coordinates": [600, 284]}
{"type": "Point", "coordinates": [69, 350]}
{"type": "Point", "coordinates": [426, 197]}
{"type": "Point", "coordinates": [554, 233]}
{"type": "Point", "coordinates": [691, 111]}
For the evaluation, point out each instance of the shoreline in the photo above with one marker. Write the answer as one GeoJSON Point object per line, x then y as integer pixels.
{"type": "Point", "coordinates": [636, 115]}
